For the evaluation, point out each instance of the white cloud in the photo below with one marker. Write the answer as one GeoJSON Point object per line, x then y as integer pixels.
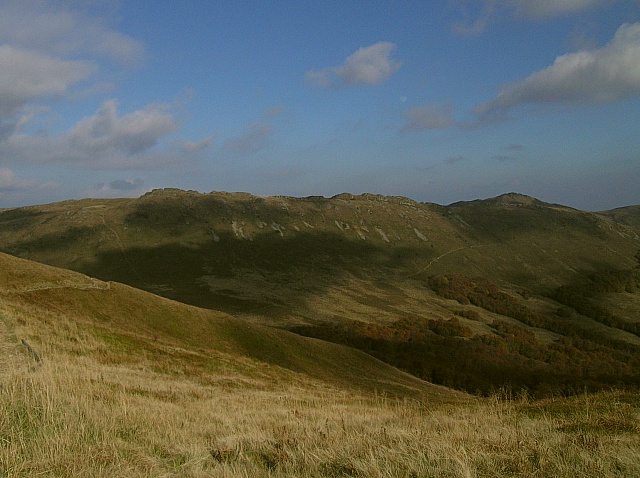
{"type": "Point", "coordinates": [429, 117]}
{"type": "Point", "coordinates": [604, 75]}
{"type": "Point", "coordinates": [103, 140]}
{"type": "Point", "coordinates": [27, 75]}
{"type": "Point", "coordinates": [370, 65]}
{"type": "Point", "coordinates": [60, 28]}
{"type": "Point", "coordinates": [129, 134]}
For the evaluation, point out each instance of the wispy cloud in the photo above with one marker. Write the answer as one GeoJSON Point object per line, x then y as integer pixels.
{"type": "Point", "coordinates": [371, 65]}
{"type": "Point", "coordinates": [503, 158]}
{"type": "Point", "coordinates": [10, 182]}
{"type": "Point", "coordinates": [478, 14]}
{"type": "Point", "coordinates": [552, 8]}
{"type": "Point", "coordinates": [455, 159]}
{"type": "Point", "coordinates": [126, 184]}
{"type": "Point", "coordinates": [275, 111]}
{"type": "Point", "coordinates": [431, 116]}
{"type": "Point", "coordinates": [605, 75]}
{"type": "Point", "coordinates": [252, 139]}
{"type": "Point", "coordinates": [476, 22]}
{"type": "Point", "coordinates": [117, 188]}
{"type": "Point", "coordinates": [196, 146]}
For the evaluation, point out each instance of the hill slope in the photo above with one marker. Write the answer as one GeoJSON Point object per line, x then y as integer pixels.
{"type": "Point", "coordinates": [56, 310]}
{"type": "Point", "coordinates": [98, 379]}
{"type": "Point", "coordinates": [245, 254]}
{"type": "Point", "coordinates": [629, 215]}
{"type": "Point", "coordinates": [515, 283]}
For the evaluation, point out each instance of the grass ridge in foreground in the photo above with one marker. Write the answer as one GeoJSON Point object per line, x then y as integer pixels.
{"type": "Point", "coordinates": [81, 419]}
{"type": "Point", "coordinates": [104, 404]}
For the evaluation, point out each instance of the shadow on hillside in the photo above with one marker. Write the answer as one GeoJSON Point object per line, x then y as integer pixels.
{"type": "Point", "coordinates": [17, 214]}
{"type": "Point", "coordinates": [266, 275]}
{"type": "Point", "coordinates": [501, 224]}
{"type": "Point", "coordinates": [51, 248]}
{"type": "Point", "coordinates": [15, 219]}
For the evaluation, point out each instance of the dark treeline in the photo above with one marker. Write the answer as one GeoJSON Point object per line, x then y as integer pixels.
{"type": "Point", "coordinates": [512, 357]}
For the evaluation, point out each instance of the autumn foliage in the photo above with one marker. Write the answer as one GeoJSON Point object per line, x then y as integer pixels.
{"type": "Point", "coordinates": [483, 293]}
{"type": "Point", "coordinates": [446, 352]}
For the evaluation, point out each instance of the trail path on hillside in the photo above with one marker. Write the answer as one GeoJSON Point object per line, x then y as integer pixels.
{"type": "Point", "coordinates": [94, 284]}
{"type": "Point", "coordinates": [115, 233]}
{"type": "Point", "coordinates": [436, 259]}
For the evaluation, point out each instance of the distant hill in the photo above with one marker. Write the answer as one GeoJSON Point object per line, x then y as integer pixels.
{"type": "Point", "coordinates": [375, 273]}
{"type": "Point", "coordinates": [629, 215]}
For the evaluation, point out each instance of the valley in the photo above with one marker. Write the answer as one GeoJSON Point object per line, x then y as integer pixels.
{"type": "Point", "coordinates": [225, 334]}
{"type": "Point", "coordinates": [561, 278]}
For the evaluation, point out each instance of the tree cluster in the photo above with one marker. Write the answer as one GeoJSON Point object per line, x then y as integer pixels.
{"type": "Point", "coordinates": [484, 293]}
{"type": "Point", "coordinates": [510, 357]}
{"type": "Point", "coordinates": [582, 297]}
{"type": "Point", "coordinates": [446, 352]}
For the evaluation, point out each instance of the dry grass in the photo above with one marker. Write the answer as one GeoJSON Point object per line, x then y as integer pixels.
{"type": "Point", "coordinates": [105, 405]}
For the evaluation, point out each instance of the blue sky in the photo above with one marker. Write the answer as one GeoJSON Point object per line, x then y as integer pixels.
{"type": "Point", "coordinates": [436, 101]}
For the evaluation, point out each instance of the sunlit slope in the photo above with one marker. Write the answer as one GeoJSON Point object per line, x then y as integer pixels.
{"type": "Point", "coordinates": [127, 323]}
{"type": "Point", "coordinates": [629, 215]}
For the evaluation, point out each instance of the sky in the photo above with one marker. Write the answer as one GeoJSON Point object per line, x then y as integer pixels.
{"type": "Point", "coordinates": [439, 101]}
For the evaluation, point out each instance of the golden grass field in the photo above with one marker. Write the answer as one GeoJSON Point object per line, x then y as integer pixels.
{"type": "Point", "coordinates": [74, 416]}
{"type": "Point", "coordinates": [107, 401]}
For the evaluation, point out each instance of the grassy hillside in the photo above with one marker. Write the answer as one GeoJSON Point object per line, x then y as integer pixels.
{"type": "Point", "coordinates": [124, 317]}
{"type": "Point", "coordinates": [629, 215]}
{"type": "Point", "coordinates": [99, 379]}
{"type": "Point", "coordinates": [270, 257]}
{"type": "Point", "coordinates": [509, 285]}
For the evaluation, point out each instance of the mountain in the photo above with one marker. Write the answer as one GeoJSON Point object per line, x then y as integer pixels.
{"type": "Point", "coordinates": [509, 284]}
